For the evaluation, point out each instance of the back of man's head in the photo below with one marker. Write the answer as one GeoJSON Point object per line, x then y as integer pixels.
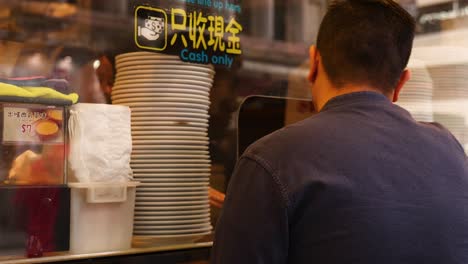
{"type": "Point", "coordinates": [366, 42]}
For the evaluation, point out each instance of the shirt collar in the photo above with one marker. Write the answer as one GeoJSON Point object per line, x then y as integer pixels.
{"type": "Point", "coordinates": [349, 98]}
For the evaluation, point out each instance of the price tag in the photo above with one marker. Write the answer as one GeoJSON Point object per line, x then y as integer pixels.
{"type": "Point", "coordinates": [32, 125]}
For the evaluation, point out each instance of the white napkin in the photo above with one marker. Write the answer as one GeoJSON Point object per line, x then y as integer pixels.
{"type": "Point", "coordinates": [100, 142]}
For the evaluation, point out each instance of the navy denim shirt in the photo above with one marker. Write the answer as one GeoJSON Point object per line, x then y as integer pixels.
{"type": "Point", "coordinates": [360, 182]}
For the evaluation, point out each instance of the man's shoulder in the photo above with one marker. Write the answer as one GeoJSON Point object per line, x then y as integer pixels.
{"type": "Point", "coordinates": [281, 144]}
{"type": "Point", "coordinates": [442, 134]}
{"type": "Point", "coordinates": [324, 131]}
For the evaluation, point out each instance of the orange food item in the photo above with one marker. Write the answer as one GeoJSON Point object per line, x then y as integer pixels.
{"type": "Point", "coordinates": [41, 174]}
{"type": "Point", "coordinates": [46, 129]}
{"type": "Point", "coordinates": [56, 115]}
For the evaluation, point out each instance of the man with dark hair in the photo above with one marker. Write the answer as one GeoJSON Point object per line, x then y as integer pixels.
{"type": "Point", "coordinates": [361, 181]}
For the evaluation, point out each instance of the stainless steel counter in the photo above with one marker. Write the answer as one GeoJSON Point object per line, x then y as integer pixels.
{"type": "Point", "coordinates": [64, 256]}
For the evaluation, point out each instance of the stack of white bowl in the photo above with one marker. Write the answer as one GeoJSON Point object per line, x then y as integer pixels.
{"type": "Point", "coordinates": [169, 100]}
{"type": "Point", "coordinates": [416, 95]}
{"type": "Point", "coordinates": [448, 67]}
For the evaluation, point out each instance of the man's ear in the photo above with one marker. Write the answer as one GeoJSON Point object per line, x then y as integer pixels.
{"type": "Point", "coordinates": [404, 77]}
{"type": "Point", "coordinates": [313, 61]}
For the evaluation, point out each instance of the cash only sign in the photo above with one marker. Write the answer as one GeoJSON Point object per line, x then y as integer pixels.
{"type": "Point", "coordinates": [198, 31]}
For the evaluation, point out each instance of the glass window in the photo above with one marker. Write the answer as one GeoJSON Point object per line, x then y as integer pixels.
{"type": "Point", "coordinates": [240, 49]}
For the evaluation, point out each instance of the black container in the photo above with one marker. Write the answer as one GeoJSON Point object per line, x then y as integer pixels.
{"type": "Point", "coordinates": [34, 220]}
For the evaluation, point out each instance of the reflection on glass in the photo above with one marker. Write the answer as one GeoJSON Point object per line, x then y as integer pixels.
{"type": "Point", "coordinates": [71, 46]}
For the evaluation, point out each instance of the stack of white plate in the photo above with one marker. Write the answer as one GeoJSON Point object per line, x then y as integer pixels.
{"type": "Point", "coordinates": [448, 67]}
{"type": "Point", "coordinates": [416, 95]}
{"type": "Point", "coordinates": [169, 100]}
{"type": "Point", "coordinates": [451, 94]}
{"type": "Point", "coordinates": [451, 83]}
{"type": "Point", "coordinates": [455, 123]}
